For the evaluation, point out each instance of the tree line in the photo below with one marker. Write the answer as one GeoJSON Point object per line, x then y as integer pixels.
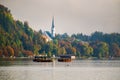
{"type": "Point", "coordinates": [17, 39]}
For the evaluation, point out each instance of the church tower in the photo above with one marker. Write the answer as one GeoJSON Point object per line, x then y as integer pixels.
{"type": "Point", "coordinates": [53, 28]}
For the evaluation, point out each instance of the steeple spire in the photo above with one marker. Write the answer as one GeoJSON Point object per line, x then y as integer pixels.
{"type": "Point", "coordinates": [53, 21]}
{"type": "Point", "coordinates": [53, 28]}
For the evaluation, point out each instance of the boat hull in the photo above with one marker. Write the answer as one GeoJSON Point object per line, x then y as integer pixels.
{"type": "Point", "coordinates": [64, 60]}
{"type": "Point", "coordinates": [42, 60]}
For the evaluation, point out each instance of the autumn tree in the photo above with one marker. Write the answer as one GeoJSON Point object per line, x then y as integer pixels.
{"type": "Point", "coordinates": [1, 53]}
{"type": "Point", "coordinates": [115, 50]}
{"type": "Point", "coordinates": [10, 51]}
{"type": "Point", "coordinates": [27, 53]}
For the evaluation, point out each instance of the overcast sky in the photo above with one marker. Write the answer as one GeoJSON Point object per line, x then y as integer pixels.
{"type": "Point", "coordinates": [71, 16]}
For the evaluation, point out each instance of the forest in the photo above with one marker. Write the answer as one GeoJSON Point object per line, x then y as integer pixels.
{"type": "Point", "coordinates": [18, 39]}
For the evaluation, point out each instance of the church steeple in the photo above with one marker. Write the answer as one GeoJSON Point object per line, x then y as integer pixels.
{"type": "Point", "coordinates": [53, 28]}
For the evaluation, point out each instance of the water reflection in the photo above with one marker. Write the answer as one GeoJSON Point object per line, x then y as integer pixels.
{"type": "Point", "coordinates": [74, 63]}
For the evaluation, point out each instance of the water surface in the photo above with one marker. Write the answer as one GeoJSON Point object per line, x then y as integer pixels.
{"type": "Point", "coordinates": [75, 70]}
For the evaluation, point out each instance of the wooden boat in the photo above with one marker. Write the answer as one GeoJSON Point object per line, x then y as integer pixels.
{"type": "Point", "coordinates": [64, 58]}
{"type": "Point", "coordinates": [42, 59]}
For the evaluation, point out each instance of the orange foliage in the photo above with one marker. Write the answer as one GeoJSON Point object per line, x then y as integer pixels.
{"type": "Point", "coordinates": [28, 53]}
{"type": "Point", "coordinates": [1, 53]}
{"type": "Point", "coordinates": [10, 51]}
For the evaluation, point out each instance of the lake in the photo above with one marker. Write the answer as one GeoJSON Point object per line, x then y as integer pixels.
{"type": "Point", "coordinates": [26, 69]}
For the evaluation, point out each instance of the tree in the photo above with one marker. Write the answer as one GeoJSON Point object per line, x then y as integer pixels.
{"type": "Point", "coordinates": [88, 50]}
{"type": "Point", "coordinates": [74, 50]}
{"type": "Point", "coordinates": [5, 52]}
{"type": "Point", "coordinates": [97, 36]}
{"type": "Point", "coordinates": [101, 49]}
{"type": "Point", "coordinates": [27, 53]}
{"type": "Point", "coordinates": [71, 50]}
{"type": "Point", "coordinates": [10, 51]}
{"type": "Point", "coordinates": [1, 53]}
{"type": "Point", "coordinates": [115, 50]}
{"type": "Point", "coordinates": [55, 50]}
{"type": "Point", "coordinates": [78, 54]}
{"type": "Point", "coordinates": [49, 54]}
{"type": "Point", "coordinates": [85, 49]}
{"type": "Point", "coordinates": [61, 51]}
{"type": "Point", "coordinates": [28, 30]}
{"type": "Point", "coordinates": [36, 49]}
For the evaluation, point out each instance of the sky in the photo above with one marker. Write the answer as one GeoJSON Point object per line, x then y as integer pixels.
{"type": "Point", "coordinates": [71, 16]}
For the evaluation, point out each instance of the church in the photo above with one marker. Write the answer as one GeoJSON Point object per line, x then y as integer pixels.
{"type": "Point", "coordinates": [49, 36]}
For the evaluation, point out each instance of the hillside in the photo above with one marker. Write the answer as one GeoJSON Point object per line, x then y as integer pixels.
{"type": "Point", "coordinates": [17, 39]}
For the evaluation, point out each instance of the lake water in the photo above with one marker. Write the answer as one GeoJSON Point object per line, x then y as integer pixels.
{"type": "Point", "coordinates": [75, 70]}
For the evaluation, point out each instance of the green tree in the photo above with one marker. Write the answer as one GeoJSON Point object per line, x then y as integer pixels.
{"type": "Point", "coordinates": [55, 50]}
{"type": "Point", "coordinates": [101, 50]}
{"type": "Point", "coordinates": [36, 49]}
{"type": "Point", "coordinates": [61, 51]}
{"type": "Point", "coordinates": [49, 54]}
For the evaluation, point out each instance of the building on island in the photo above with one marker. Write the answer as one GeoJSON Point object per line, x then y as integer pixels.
{"type": "Point", "coordinates": [48, 36]}
{"type": "Point", "coordinates": [53, 28]}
